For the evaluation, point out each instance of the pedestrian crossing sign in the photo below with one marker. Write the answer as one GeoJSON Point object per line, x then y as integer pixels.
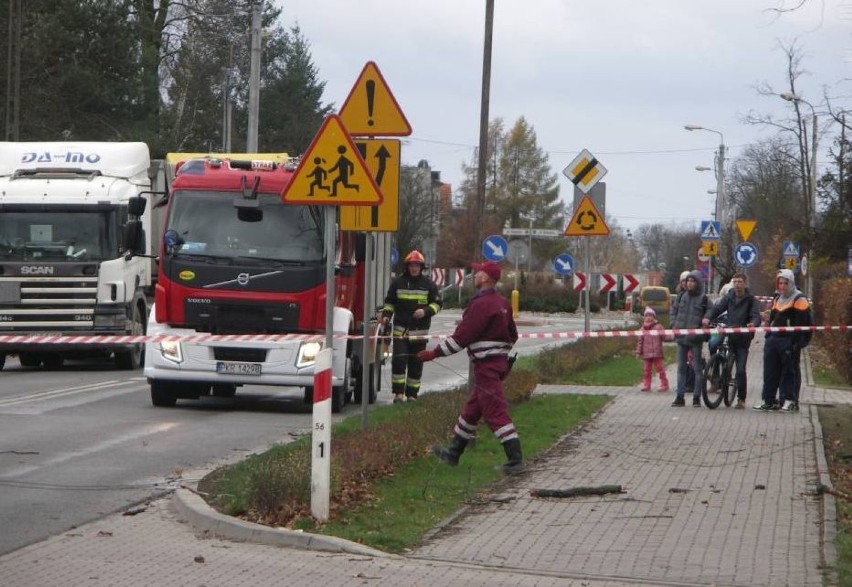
{"type": "Point", "coordinates": [332, 172]}
{"type": "Point", "coordinates": [710, 230]}
{"type": "Point", "coordinates": [791, 249]}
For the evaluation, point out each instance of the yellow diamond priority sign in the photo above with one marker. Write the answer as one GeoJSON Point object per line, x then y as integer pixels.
{"type": "Point", "coordinates": [332, 172]}
{"type": "Point", "coordinates": [585, 171]}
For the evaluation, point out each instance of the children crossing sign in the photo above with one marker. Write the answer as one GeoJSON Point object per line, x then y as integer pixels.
{"type": "Point", "coordinates": [332, 172]}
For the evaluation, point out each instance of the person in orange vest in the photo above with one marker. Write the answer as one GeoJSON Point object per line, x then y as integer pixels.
{"type": "Point", "coordinates": [782, 350]}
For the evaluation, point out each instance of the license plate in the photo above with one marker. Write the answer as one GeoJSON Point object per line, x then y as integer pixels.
{"type": "Point", "coordinates": [231, 368]}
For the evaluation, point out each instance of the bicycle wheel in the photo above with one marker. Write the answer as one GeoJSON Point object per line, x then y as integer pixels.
{"type": "Point", "coordinates": [729, 382]}
{"type": "Point", "coordinates": [713, 391]}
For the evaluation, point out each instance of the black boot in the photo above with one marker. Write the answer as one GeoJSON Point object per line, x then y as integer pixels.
{"type": "Point", "coordinates": [450, 454]}
{"type": "Point", "coordinates": [515, 463]}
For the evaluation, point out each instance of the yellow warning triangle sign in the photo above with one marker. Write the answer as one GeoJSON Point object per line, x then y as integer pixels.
{"type": "Point", "coordinates": [332, 172]}
{"type": "Point", "coordinates": [370, 109]}
{"type": "Point", "coordinates": [587, 221]}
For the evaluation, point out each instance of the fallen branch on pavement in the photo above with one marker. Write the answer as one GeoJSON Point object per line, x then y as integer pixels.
{"type": "Point", "coordinates": [575, 491]}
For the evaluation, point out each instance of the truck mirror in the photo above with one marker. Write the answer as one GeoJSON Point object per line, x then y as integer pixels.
{"type": "Point", "coordinates": [133, 236]}
{"type": "Point", "coordinates": [136, 206]}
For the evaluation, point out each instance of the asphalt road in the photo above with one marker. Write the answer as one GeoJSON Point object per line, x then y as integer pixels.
{"type": "Point", "coordinates": [84, 441]}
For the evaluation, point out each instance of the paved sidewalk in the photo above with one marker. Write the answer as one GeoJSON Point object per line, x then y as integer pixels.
{"type": "Point", "coordinates": [711, 497]}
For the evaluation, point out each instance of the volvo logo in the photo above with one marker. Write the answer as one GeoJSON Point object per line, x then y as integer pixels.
{"type": "Point", "coordinates": [36, 270]}
{"type": "Point", "coordinates": [243, 278]}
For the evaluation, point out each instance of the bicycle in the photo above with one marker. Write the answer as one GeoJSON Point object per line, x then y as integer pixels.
{"type": "Point", "coordinates": [719, 385]}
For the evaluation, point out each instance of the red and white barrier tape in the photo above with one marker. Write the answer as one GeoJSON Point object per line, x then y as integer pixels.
{"type": "Point", "coordinates": [204, 338]}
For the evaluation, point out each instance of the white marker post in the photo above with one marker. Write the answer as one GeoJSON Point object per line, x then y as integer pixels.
{"type": "Point", "coordinates": [321, 437]}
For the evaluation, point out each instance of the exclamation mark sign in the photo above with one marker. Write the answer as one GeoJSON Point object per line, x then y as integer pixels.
{"type": "Point", "coordinates": [371, 96]}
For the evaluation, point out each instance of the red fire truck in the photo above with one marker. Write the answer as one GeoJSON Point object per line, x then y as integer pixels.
{"type": "Point", "coordinates": [235, 260]}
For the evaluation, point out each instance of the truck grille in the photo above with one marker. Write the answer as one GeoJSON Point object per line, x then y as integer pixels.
{"type": "Point", "coordinates": [244, 317]}
{"type": "Point", "coordinates": [55, 303]}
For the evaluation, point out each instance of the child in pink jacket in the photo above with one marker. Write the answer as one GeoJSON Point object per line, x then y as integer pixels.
{"type": "Point", "coordinates": [649, 348]}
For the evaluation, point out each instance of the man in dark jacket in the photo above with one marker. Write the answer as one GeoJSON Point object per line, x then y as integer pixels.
{"type": "Point", "coordinates": [688, 312]}
{"type": "Point", "coordinates": [781, 352]}
{"type": "Point", "coordinates": [412, 300]}
{"type": "Point", "coordinates": [488, 332]}
{"type": "Point", "coordinates": [742, 310]}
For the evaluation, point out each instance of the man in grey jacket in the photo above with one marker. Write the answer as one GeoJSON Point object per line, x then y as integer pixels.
{"type": "Point", "coordinates": [688, 312]}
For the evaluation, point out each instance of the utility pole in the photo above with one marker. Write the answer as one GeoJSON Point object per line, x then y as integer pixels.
{"type": "Point", "coordinates": [479, 210]}
{"type": "Point", "coordinates": [13, 73]}
{"type": "Point", "coordinates": [254, 79]}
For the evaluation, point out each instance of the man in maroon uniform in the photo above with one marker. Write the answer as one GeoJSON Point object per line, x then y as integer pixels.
{"type": "Point", "coordinates": [488, 332]}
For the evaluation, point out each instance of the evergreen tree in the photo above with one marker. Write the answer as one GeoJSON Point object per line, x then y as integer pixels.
{"type": "Point", "coordinates": [292, 97]}
{"type": "Point", "coordinates": [519, 186]}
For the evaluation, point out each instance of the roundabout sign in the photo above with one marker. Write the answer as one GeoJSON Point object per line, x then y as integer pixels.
{"type": "Point", "coordinates": [745, 255]}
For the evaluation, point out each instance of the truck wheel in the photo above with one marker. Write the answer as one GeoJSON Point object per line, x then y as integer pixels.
{"type": "Point", "coordinates": [2, 360]}
{"type": "Point", "coordinates": [29, 359]}
{"type": "Point", "coordinates": [373, 373]}
{"type": "Point", "coordinates": [134, 358]}
{"type": "Point", "coordinates": [224, 390]}
{"type": "Point", "coordinates": [52, 360]}
{"type": "Point", "coordinates": [339, 393]}
{"type": "Point", "coordinates": [162, 394]}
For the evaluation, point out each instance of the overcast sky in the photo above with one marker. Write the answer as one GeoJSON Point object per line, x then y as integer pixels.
{"type": "Point", "coordinates": [618, 77]}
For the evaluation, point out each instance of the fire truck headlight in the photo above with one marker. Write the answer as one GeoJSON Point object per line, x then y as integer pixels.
{"type": "Point", "coordinates": [308, 353]}
{"type": "Point", "coordinates": [171, 350]}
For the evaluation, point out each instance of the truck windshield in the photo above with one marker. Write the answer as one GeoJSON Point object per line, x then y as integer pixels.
{"type": "Point", "coordinates": [208, 225]}
{"type": "Point", "coordinates": [67, 235]}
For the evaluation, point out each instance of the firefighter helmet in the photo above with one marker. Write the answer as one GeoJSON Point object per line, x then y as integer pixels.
{"type": "Point", "coordinates": [415, 257]}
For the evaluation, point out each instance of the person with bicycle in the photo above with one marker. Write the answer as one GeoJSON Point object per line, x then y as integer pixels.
{"type": "Point", "coordinates": [742, 310]}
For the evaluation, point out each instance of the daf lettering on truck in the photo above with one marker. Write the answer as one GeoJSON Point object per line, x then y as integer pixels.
{"type": "Point", "coordinates": [75, 249]}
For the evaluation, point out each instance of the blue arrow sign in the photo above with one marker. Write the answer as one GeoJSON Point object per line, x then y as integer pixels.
{"type": "Point", "coordinates": [495, 248]}
{"type": "Point", "coordinates": [564, 264]}
{"type": "Point", "coordinates": [745, 255]}
{"type": "Point", "coordinates": [394, 256]}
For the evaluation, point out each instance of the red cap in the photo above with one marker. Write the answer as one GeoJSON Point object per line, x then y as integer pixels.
{"type": "Point", "coordinates": [490, 268]}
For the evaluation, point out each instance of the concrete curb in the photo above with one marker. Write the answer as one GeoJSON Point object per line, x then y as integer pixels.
{"type": "Point", "coordinates": [829, 505]}
{"type": "Point", "coordinates": [193, 509]}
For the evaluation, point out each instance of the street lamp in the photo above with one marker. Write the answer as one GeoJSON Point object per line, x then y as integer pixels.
{"type": "Point", "coordinates": [810, 200]}
{"type": "Point", "coordinates": [721, 204]}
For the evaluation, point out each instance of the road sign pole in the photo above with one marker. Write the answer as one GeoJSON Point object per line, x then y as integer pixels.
{"type": "Point", "coordinates": [588, 321]}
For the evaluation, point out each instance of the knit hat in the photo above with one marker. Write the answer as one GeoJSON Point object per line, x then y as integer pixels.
{"type": "Point", "coordinates": [490, 268]}
{"type": "Point", "coordinates": [684, 275]}
{"type": "Point", "coordinates": [649, 311]}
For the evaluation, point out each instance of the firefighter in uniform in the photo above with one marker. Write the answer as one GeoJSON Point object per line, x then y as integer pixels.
{"type": "Point", "coordinates": [412, 300]}
{"type": "Point", "coordinates": [488, 332]}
